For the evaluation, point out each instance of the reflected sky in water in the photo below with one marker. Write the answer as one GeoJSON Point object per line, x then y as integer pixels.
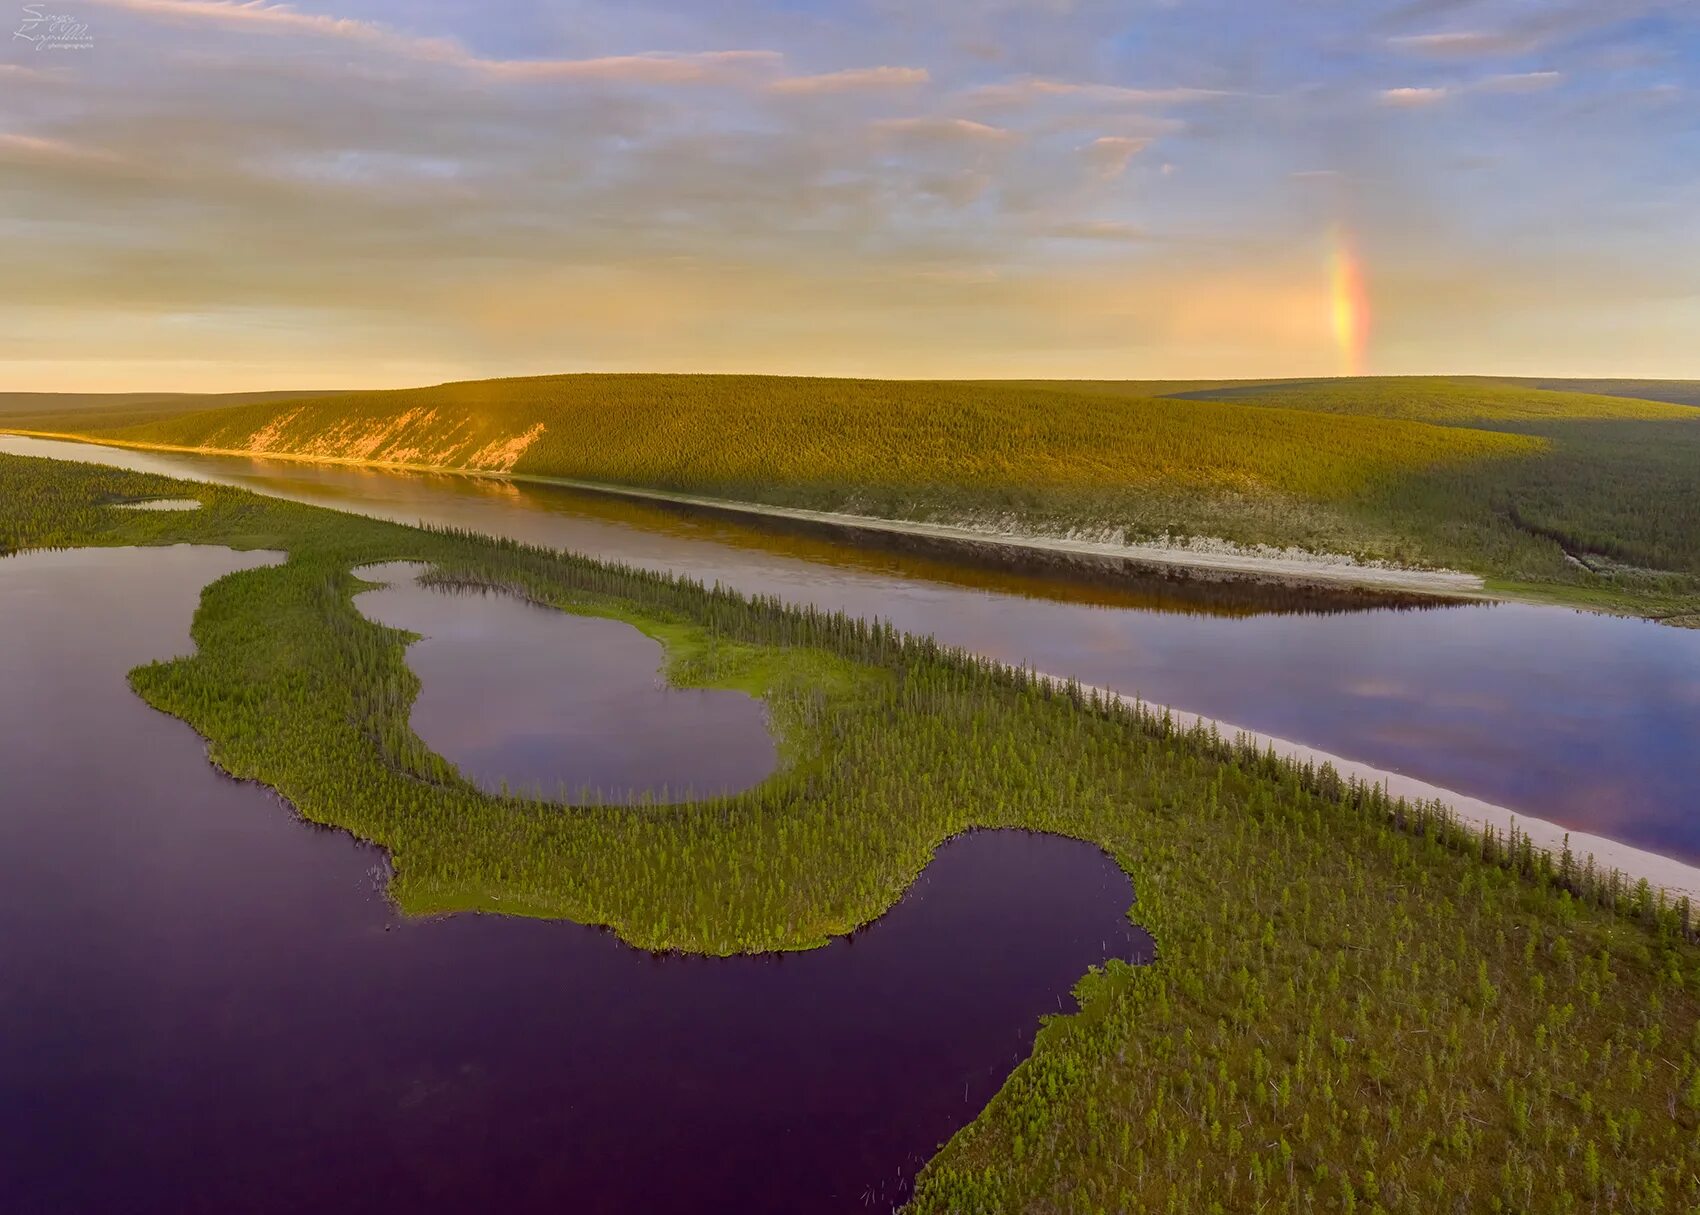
{"type": "Point", "coordinates": [209, 1007]}
{"type": "Point", "coordinates": [571, 708]}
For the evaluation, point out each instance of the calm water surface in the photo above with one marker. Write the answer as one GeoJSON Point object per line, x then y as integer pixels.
{"type": "Point", "coordinates": [206, 1005]}
{"type": "Point", "coordinates": [1590, 721]}
{"type": "Point", "coordinates": [572, 707]}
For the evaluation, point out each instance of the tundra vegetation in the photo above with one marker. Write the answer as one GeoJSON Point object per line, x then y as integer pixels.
{"type": "Point", "coordinates": [1587, 497]}
{"type": "Point", "coordinates": [1356, 1005]}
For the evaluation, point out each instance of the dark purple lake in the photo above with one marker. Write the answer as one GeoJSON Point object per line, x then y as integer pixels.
{"type": "Point", "coordinates": [1588, 721]}
{"type": "Point", "coordinates": [207, 1005]}
{"type": "Point", "coordinates": [574, 708]}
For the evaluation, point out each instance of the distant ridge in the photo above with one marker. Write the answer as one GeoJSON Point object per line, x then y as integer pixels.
{"type": "Point", "coordinates": [1592, 498]}
{"type": "Point", "coordinates": [114, 410]}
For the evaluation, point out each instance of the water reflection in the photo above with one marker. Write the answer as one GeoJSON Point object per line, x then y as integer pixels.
{"type": "Point", "coordinates": [1062, 578]}
{"type": "Point", "coordinates": [531, 700]}
{"type": "Point", "coordinates": [165, 504]}
{"type": "Point", "coordinates": [209, 1007]}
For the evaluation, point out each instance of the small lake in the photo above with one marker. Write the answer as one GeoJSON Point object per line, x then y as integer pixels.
{"type": "Point", "coordinates": [531, 700]}
{"type": "Point", "coordinates": [209, 1006]}
{"type": "Point", "coordinates": [1589, 721]}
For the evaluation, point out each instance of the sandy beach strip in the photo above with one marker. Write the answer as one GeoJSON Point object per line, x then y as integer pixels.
{"type": "Point", "coordinates": [1676, 878]}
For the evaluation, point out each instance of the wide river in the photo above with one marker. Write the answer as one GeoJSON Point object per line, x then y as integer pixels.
{"type": "Point", "coordinates": [1590, 721]}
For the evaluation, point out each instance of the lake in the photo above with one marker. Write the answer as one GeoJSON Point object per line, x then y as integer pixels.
{"type": "Point", "coordinates": [528, 699]}
{"type": "Point", "coordinates": [210, 1006]}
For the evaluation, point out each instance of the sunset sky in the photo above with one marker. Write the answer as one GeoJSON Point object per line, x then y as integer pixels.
{"type": "Point", "coordinates": [206, 196]}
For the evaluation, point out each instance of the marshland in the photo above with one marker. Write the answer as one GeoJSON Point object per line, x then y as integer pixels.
{"type": "Point", "coordinates": [1381, 1007]}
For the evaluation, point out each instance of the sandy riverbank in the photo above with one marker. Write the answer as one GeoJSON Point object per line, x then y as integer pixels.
{"type": "Point", "coordinates": [1677, 878]}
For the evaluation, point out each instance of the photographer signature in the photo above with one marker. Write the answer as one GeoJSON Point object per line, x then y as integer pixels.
{"type": "Point", "coordinates": [47, 31]}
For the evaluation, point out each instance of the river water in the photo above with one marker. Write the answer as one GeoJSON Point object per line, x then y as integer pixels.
{"type": "Point", "coordinates": [207, 1005]}
{"type": "Point", "coordinates": [1587, 720]}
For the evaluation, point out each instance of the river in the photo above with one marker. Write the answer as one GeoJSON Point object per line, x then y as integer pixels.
{"type": "Point", "coordinates": [1583, 719]}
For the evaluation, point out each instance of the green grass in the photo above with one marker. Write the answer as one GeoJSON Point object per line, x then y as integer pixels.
{"type": "Point", "coordinates": [1496, 478]}
{"type": "Point", "coordinates": [1355, 1007]}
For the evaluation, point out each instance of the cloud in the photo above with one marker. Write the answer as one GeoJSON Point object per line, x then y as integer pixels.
{"type": "Point", "coordinates": [705, 67]}
{"type": "Point", "coordinates": [957, 189]}
{"type": "Point", "coordinates": [1036, 88]}
{"type": "Point", "coordinates": [1462, 44]}
{"type": "Point", "coordinates": [1414, 98]}
{"type": "Point", "coordinates": [1531, 26]}
{"type": "Point", "coordinates": [258, 17]}
{"type": "Point", "coordinates": [1512, 82]}
{"type": "Point", "coordinates": [1520, 82]}
{"type": "Point", "coordinates": [38, 148]}
{"type": "Point", "coordinates": [1109, 155]}
{"type": "Point", "coordinates": [700, 67]}
{"type": "Point", "coordinates": [852, 80]}
{"type": "Point", "coordinates": [1099, 229]}
{"type": "Point", "coordinates": [944, 130]}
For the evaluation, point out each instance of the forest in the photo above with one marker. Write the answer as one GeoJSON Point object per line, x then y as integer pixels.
{"type": "Point", "coordinates": [1578, 496]}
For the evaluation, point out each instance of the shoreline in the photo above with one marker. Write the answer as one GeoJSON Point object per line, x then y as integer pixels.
{"type": "Point", "coordinates": [1677, 878]}
{"type": "Point", "coordinates": [1297, 571]}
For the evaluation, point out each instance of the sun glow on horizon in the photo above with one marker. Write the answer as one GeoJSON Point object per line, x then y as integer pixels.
{"type": "Point", "coordinates": [1349, 303]}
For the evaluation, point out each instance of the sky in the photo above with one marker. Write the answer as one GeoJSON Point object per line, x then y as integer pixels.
{"type": "Point", "coordinates": [208, 196]}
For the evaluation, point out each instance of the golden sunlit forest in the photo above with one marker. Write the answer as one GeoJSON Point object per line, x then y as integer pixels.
{"type": "Point", "coordinates": [1586, 497]}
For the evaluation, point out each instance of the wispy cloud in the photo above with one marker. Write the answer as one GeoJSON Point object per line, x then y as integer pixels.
{"type": "Point", "coordinates": [14, 146]}
{"type": "Point", "coordinates": [1520, 82]}
{"type": "Point", "coordinates": [1526, 28]}
{"type": "Point", "coordinates": [1414, 98]}
{"type": "Point", "coordinates": [944, 130]}
{"type": "Point", "coordinates": [1462, 44]}
{"type": "Point", "coordinates": [852, 80]}
{"type": "Point", "coordinates": [1110, 155]}
{"type": "Point", "coordinates": [704, 67]}
{"type": "Point", "coordinates": [261, 18]}
{"type": "Point", "coordinates": [255, 17]}
{"type": "Point", "coordinates": [1099, 229]}
{"type": "Point", "coordinates": [1510, 82]}
{"type": "Point", "coordinates": [1036, 88]}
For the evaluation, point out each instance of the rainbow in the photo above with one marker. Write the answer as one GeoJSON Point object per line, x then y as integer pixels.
{"type": "Point", "coordinates": [1348, 303]}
